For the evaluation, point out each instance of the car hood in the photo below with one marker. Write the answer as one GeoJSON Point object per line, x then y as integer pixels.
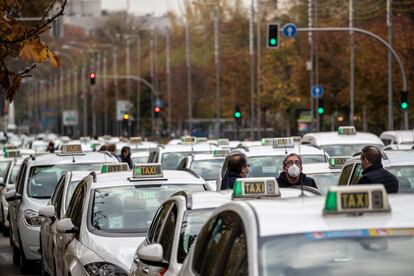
{"type": "Point", "coordinates": [116, 250]}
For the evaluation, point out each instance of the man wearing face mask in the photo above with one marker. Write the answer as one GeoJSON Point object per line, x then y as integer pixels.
{"type": "Point", "coordinates": [373, 171]}
{"type": "Point", "coordinates": [292, 173]}
{"type": "Point", "coordinates": [237, 167]}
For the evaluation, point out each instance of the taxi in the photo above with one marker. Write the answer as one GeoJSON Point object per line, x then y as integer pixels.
{"type": "Point", "coordinates": [352, 230]}
{"type": "Point", "coordinates": [173, 231]}
{"type": "Point", "coordinates": [136, 144]}
{"type": "Point", "coordinates": [170, 156]}
{"type": "Point", "coordinates": [207, 166]}
{"type": "Point", "coordinates": [345, 142]}
{"type": "Point", "coordinates": [54, 211]}
{"type": "Point", "coordinates": [399, 147]}
{"type": "Point", "coordinates": [36, 181]}
{"type": "Point", "coordinates": [397, 137]}
{"type": "Point", "coordinates": [109, 215]}
{"type": "Point", "coordinates": [325, 174]}
{"type": "Point", "coordinates": [398, 162]}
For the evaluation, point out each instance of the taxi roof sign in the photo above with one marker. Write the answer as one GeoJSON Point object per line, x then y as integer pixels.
{"type": "Point", "coordinates": [147, 171]}
{"type": "Point", "coordinates": [356, 199]}
{"type": "Point", "coordinates": [12, 153]}
{"type": "Point", "coordinates": [201, 139]}
{"type": "Point", "coordinates": [135, 140]}
{"type": "Point", "coordinates": [114, 167]}
{"type": "Point", "coordinates": [337, 162]}
{"type": "Point", "coordinates": [10, 147]}
{"type": "Point", "coordinates": [283, 143]}
{"type": "Point", "coordinates": [257, 187]}
{"type": "Point", "coordinates": [347, 130]}
{"type": "Point", "coordinates": [297, 139]}
{"type": "Point", "coordinates": [220, 153]}
{"type": "Point", "coordinates": [71, 149]}
{"type": "Point", "coordinates": [223, 142]}
{"type": "Point", "coordinates": [267, 141]}
{"type": "Point", "coordinates": [188, 139]}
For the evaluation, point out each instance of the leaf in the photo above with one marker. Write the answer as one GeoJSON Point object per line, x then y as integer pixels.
{"type": "Point", "coordinates": [25, 51]}
{"type": "Point", "coordinates": [14, 87]}
{"type": "Point", "coordinates": [53, 58]}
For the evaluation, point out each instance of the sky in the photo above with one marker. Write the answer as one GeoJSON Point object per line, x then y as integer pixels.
{"type": "Point", "coordinates": [158, 7]}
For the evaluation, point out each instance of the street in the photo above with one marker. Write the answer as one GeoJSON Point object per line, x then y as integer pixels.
{"type": "Point", "coordinates": [6, 263]}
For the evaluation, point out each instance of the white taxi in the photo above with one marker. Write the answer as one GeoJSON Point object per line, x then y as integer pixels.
{"type": "Point", "coordinates": [109, 215]}
{"type": "Point", "coordinates": [397, 137]}
{"type": "Point", "coordinates": [351, 231]}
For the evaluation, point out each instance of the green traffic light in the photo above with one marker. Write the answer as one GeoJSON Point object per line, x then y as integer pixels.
{"type": "Point", "coordinates": [404, 105]}
{"type": "Point", "coordinates": [321, 110]}
{"type": "Point", "coordinates": [273, 41]}
{"type": "Point", "coordinates": [237, 114]}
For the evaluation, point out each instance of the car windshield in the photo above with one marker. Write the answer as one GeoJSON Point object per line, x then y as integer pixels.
{"type": "Point", "coordinates": [405, 175]}
{"type": "Point", "coordinates": [208, 169]}
{"type": "Point", "coordinates": [325, 180]}
{"type": "Point", "coordinates": [345, 150]}
{"type": "Point", "coordinates": [140, 159]}
{"type": "Point", "coordinates": [43, 179]}
{"type": "Point", "coordinates": [171, 160]}
{"type": "Point", "coordinates": [192, 223]}
{"type": "Point", "coordinates": [271, 166]}
{"type": "Point", "coordinates": [14, 173]}
{"type": "Point", "coordinates": [4, 166]}
{"type": "Point", "coordinates": [71, 188]}
{"type": "Point", "coordinates": [339, 253]}
{"type": "Point", "coordinates": [130, 209]}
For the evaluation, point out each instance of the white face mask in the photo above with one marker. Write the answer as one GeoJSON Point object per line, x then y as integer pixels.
{"type": "Point", "coordinates": [294, 171]}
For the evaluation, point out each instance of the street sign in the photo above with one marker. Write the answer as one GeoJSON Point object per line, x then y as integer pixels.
{"type": "Point", "coordinates": [70, 117]}
{"type": "Point", "coordinates": [122, 107]}
{"type": "Point", "coordinates": [289, 30]}
{"type": "Point", "coordinates": [317, 91]}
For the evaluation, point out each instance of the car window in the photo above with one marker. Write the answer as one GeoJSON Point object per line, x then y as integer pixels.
{"type": "Point", "coordinates": [346, 171]}
{"type": "Point", "coordinates": [157, 222]}
{"type": "Point", "coordinates": [59, 187]}
{"type": "Point", "coordinates": [59, 198]}
{"type": "Point", "coordinates": [237, 257]}
{"type": "Point", "coordinates": [357, 174]}
{"type": "Point", "coordinates": [4, 166]}
{"type": "Point", "coordinates": [167, 236]}
{"type": "Point", "coordinates": [76, 205]}
{"type": "Point", "coordinates": [14, 174]}
{"type": "Point", "coordinates": [216, 248]}
{"type": "Point", "coordinates": [21, 178]}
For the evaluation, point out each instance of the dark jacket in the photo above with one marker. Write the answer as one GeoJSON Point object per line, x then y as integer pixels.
{"type": "Point", "coordinates": [303, 179]}
{"type": "Point", "coordinates": [376, 174]}
{"type": "Point", "coordinates": [228, 180]}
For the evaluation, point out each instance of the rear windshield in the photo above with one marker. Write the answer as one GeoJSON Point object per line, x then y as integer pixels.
{"type": "Point", "coordinates": [130, 209]}
{"type": "Point", "coordinates": [4, 166]}
{"type": "Point", "coordinates": [43, 179]}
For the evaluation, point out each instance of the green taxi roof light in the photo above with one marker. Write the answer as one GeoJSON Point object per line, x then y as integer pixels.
{"type": "Point", "coordinates": [237, 189]}
{"type": "Point", "coordinates": [331, 203]}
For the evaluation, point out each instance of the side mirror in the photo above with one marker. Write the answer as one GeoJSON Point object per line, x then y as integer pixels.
{"type": "Point", "coordinates": [12, 196]}
{"type": "Point", "coordinates": [47, 212]}
{"type": "Point", "coordinates": [152, 254]}
{"type": "Point", "coordinates": [66, 226]}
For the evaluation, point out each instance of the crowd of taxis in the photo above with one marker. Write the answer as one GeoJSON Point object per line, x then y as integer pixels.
{"type": "Point", "coordinates": [80, 211]}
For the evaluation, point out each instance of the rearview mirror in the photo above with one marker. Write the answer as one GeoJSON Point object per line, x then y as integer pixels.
{"type": "Point", "coordinates": [65, 226]}
{"type": "Point", "coordinates": [12, 196]}
{"type": "Point", "coordinates": [152, 254]}
{"type": "Point", "coordinates": [47, 212]}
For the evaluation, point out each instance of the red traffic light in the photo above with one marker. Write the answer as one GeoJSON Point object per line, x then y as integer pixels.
{"type": "Point", "coordinates": [92, 78]}
{"type": "Point", "coordinates": [157, 109]}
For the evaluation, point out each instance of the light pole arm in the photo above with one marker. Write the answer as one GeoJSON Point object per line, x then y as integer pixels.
{"type": "Point", "coordinates": [136, 78]}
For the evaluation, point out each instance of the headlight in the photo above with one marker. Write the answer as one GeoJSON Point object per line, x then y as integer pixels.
{"type": "Point", "coordinates": [32, 219]}
{"type": "Point", "coordinates": [104, 269]}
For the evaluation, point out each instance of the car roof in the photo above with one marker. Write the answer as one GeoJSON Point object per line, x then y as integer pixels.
{"type": "Point", "coordinates": [206, 156]}
{"type": "Point", "coordinates": [104, 180]}
{"type": "Point", "coordinates": [79, 175]}
{"type": "Point", "coordinates": [188, 148]}
{"type": "Point", "coordinates": [313, 168]}
{"type": "Point", "coordinates": [302, 215]}
{"type": "Point", "coordinates": [399, 136]}
{"type": "Point", "coordinates": [332, 138]}
{"type": "Point", "coordinates": [207, 199]}
{"type": "Point", "coordinates": [395, 158]}
{"type": "Point", "coordinates": [87, 157]}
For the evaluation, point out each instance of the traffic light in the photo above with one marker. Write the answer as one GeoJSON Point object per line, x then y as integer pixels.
{"type": "Point", "coordinates": [92, 78]}
{"type": "Point", "coordinates": [125, 117]}
{"type": "Point", "coordinates": [321, 107]}
{"type": "Point", "coordinates": [237, 114]}
{"type": "Point", "coordinates": [157, 109]}
{"type": "Point", "coordinates": [404, 100]}
{"type": "Point", "coordinates": [272, 36]}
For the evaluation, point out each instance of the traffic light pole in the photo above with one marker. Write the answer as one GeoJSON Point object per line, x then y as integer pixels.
{"type": "Point", "coordinates": [378, 38]}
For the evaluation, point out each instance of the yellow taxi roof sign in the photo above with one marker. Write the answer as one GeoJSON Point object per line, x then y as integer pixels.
{"type": "Point", "coordinates": [356, 199]}
{"type": "Point", "coordinates": [188, 139]}
{"type": "Point", "coordinates": [337, 162]}
{"type": "Point", "coordinates": [347, 130]}
{"type": "Point", "coordinates": [220, 153]}
{"type": "Point", "coordinates": [147, 171]}
{"type": "Point", "coordinates": [201, 139]}
{"type": "Point", "coordinates": [297, 139]}
{"type": "Point", "coordinates": [283, 142]}
{"type": "Point", "coordinates": [70, 149]}
{"type": "Point", "coordinates": [255, 187]}
{"type": "Point", "coordinates": [114, 167]}
{"type": "Point", "coordinates": [135, 140]}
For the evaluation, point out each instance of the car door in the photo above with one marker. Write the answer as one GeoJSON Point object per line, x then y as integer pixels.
{"type": "Point", "coordinates": [356, 174]}
{"type": "Point", "coordinates": [221, 247]}
{"type": "Point", "coordinates": [74, 212]}
{"type": "Point", "coordinates": [345, 175]}
{"type": "Point", "coordinates": [13, 206]}
{"type": "Point", "coordinates": [153, 236]}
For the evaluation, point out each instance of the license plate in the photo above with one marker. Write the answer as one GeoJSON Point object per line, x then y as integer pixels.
{"type": "Point", "coordinates": [253, 188]}
{"type": "Point", "coordinates": [354, 200]}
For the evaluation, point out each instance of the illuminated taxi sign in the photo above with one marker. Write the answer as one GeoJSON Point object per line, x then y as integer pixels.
{"type": "Point", "coordinates": [346, 130]}
{"type": "Point", "coordinates": [223, 142]}
{"type": "Point", "coordinates": [70, 149]}
{"type": "Point", "coordinates": [297, 139]}
{"type": "Point", "coordinates": [135, 140]}
{"type": "Point", "coordinates": [337, 162]}
{"type": "Point", "coordinates": [356, 199]}
{"type": "Point", "coordinates": [220, 153]}
{"type": "Point", "coordinates": [110, 168]}
{"type": "Point", "coordinates": [147, 171]}
{"type": "Point", "coordinates": [10, 147]}
{"type": "Point", "coordinates": [202, 139]}
{"type": "Point", "coordinates": [256, 187]}
{"type": "Point", "coordinates": [188, 140]}
{"type": "Point", "coordinates": [267, 141]}
{"type": "Point", "coordinates": [283, 142]}
{"type": "Point", "coordinates": [12, 153]}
